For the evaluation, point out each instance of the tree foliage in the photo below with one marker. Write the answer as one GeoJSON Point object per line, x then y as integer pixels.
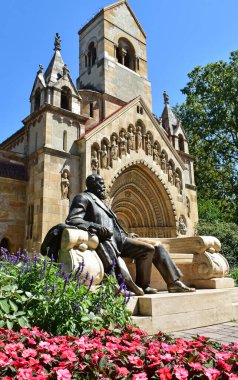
{"type": "Point", "coordinates": [210, 118]}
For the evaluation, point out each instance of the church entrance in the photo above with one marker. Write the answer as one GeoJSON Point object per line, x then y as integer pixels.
{"type": "Point", "coordinates": [142, 204]}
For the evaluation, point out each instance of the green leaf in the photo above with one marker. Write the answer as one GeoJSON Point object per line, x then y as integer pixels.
{"type": "Point", "coordinates": [2, 323]}
{"type": "Point", "coordinates": [85, 318]}
{"type": "Point", "coordinates": [22, 321]}
{"type": "Point", "coordinates": [9, 325]}
{"type": "Point", "coordinates": [4, 305]}
{"type": "Point", "coordinates": [17, 314]}
{"type": "Point", "coordinates": [13, 306]}
{"type": "Point", "coordinates": [28, 294]}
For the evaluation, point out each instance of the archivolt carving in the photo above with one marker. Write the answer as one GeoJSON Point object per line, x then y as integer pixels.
{"type": "Point", "coordinates": [135, 139]}
{"type": "Point", "coordinates": [140, 199]}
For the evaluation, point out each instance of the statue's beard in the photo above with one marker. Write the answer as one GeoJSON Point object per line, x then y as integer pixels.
{"type": "Point", "coordinates": [101, 194]}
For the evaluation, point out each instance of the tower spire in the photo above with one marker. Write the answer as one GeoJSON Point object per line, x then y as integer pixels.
{"type": "Point", "coordinates": [57, 42]}
{"type": "Point", "coordinates": [166, 97]}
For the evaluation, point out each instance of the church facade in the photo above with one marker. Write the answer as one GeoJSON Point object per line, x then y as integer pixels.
{"type": "Point", "coordinates": [102, 124]}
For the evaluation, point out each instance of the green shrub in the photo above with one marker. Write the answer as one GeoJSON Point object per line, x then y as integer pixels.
{"type": "Point", "coordinates": [227, 233]}
{"type": "Point", "coordinates": [57, 302]}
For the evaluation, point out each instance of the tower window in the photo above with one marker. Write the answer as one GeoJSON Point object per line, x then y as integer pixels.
{"type": "Point", "coordinates": [91, 109]}
{"type": "Point", "coordinates": [37, 99]}
{"type": "Point", "coordinates": [65, 98]}
{"type": "Point", "coordinates": [30, 220]}
{"type": "Point", "coordinates": [92, 54]}
{"type": "Point", "coordinates": [65, 141]}
{"type": "Point", "coordinates": [125, 53]}
{"type": "Point", "coordinates": [181, 143]}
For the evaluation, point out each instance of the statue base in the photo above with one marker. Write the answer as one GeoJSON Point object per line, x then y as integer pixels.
{"type": "Point", "coordinates": [170, 312]}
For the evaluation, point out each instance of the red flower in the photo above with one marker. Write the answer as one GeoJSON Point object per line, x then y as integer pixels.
{"type": "Point", "coordinates": [224, 365]}
{"type": "Point", "coordinates": [4, 360]}
{"type": "Point", "coordinates": [121, 370]}
{"type": "Point", "coordinates": [211, 373]}
{"type": "Point", "coordinates": [164, 373]}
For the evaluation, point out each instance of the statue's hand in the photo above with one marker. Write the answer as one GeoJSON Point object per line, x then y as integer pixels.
{"type": "Point", "coordinates": [132, 235]}
{"type": "Point", "coordinates": [102, 232]}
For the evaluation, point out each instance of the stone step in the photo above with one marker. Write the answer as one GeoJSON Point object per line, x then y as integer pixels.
{"type": "Point", "coordinates": [170, 312]}
{"type": "Point", "coordinates": [235, 310]}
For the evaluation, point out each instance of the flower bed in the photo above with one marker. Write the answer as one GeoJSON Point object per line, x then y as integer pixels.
{"type": "Point", "coordinates": [113, 354]}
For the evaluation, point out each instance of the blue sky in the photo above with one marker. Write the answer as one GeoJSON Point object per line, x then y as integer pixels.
{"type": "Point", "coordinates": [181, 34]}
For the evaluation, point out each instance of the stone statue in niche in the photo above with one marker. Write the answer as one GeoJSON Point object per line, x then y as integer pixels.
{"type": "Point", "coordinates": [170, 174]}
{"type": "Point", "coordinates": [156, 155]}
{"type": "Point", "coordinates": [148, 145]}
{"type": "Point", "coordinates": [65, 185]}
{"type": "Point", "coordinates": [178, 182]}
{"type": "Point", "coordinates": [104, 157]}
{"type": "Point", "coordinates": [139, 138]}
{"type": "Point", "coordinates": [163, 161]}
{"type": "Point", "coordinates": [130, 139]}
{"type": "Point", "coordinates": [114, 148]}
{"type": "Point", "coordinates": [122, 143]}
{"type": "Point", "coordinates": [94, 162]}
{"type": "Point", "coordinates": [182, 228]}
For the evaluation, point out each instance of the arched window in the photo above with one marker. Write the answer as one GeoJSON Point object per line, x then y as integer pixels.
{"type": "Point", "coordinates": [92, 54]}
{"type": "Point", "coordinates": [65, 141]}
{"type": "Point", "coordinates": [4, 243]}
{"type": "Point", "coordinates": [181, 143]}
{"type": "Point", "coordinates": [65, 98]}
{"type": "Point", "coordinates": [37, 99]}
{"type": "Point", "coordinates": [91, 109]}
{"type": "Point", "coordinates": [125, 53]}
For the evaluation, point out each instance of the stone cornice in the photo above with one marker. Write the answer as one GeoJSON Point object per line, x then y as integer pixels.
{"type": "Point", "coordinates": [56, 110]}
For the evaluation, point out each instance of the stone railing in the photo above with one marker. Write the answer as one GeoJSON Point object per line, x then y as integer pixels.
{"type": "Point", "coordinates": [198, 258]}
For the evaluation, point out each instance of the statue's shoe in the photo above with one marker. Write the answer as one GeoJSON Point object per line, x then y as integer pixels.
{"type": "Point", "coordinates": [179, 287]}
{"type": "Point", "coordinates": [133, 288]}
{"type": "Point", "coordinates": [150, 290]}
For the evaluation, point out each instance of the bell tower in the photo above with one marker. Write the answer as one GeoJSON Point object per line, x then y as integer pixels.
{"type": "Point", "coordinates": [112, 55]}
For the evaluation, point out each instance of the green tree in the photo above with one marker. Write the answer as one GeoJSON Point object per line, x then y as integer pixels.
{"type": "Point", "coordinates": [210, 118]}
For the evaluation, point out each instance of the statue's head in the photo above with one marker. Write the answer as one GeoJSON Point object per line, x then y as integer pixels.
{"type": "Point", "coordinates": [95, 184]}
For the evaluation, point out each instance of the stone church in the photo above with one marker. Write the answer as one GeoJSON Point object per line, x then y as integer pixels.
{"type": "Point", "coordinates": [102, 124]}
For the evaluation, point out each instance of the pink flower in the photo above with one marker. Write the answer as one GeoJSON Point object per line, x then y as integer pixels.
{"type": "Point", "coordinates": [140, 376]}
{"type": "Point", "coordinates": [222, 355]}
{"type": "Point", "coordinates": [46, 358]}
{"type": "Point", "coordinates": [63, 374]}
{"type": "Point", "coordinates": [180, 372]}
{"type": "Point", "coordinates": [232, 376]}
{"type": "Point", "coordinates": [196, 366]}
{"type": "Point", "coordinates": [167, 357]}
{"type": "Point", "coordinates": [121, 370]}
{"type": "Point", "coordinates": [135, 360]}
{"type": "Point", "coordinates": [24, 374]}
{"type": "Point", "coordinates": [164, 373]}
{"type": "Point", "coordinates": [211, 373]}
{"type": "Point", "coordinates": [70, 355]}
{"type": "Point", "coordinates": [29, 352]}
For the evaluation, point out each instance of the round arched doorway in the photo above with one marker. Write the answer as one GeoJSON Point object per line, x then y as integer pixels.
{"type": "Point", "coordinates": [142, 204]}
